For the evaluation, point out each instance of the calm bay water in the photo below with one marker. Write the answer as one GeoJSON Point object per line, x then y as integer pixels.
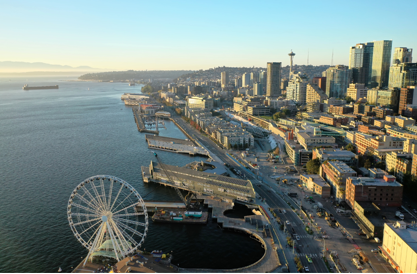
{"type": "Point", "coordinates": [50, 141]}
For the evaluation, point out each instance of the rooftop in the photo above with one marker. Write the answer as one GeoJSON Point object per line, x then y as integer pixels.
{"type": "Point", "coordinates": [368, 181]}
{"type": "Point", "coordinates": [341, 167]}
{"type": "Point", "coordinates": [409, 235]}
{"type": "Point", "coordinates": [316, 179]}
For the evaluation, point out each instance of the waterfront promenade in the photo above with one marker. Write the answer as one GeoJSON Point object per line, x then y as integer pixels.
{"type": "Point", "coordinates": [267, 263]}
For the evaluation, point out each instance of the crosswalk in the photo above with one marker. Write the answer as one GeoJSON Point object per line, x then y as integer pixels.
{"type": "Point", "coordinates": [311, 255]}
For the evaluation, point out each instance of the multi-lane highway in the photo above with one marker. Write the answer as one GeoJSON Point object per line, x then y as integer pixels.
{"type": "Point", "coordinates": [306, 245]}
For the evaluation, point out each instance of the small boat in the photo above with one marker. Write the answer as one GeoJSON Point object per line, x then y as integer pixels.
{"type": "Point", "coordinates": [59, 270]}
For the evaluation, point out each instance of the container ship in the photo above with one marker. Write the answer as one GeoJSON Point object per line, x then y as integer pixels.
{"type": "Point", "coordinates": [26, 87]}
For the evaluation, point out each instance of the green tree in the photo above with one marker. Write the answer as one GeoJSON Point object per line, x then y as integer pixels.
{"type": "Point", "coordinates": [367, 164]}
{"type": "Point", "coordinates": [351, 148]}
{"type": "Point", "coordinates": [313, 166]}
{"type": "Point", "coordinates": [349, 99]}
{"type": "Point", "coordinates": [380, 165]}
{"type": "Point", "coordinates": [147, 89]}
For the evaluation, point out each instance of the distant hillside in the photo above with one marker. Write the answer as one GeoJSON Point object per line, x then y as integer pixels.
{"type": "Point", "coordinates": [214, 73]}
{"type": "Point", "coordinates": [13, 67]}
{"type": "Point", "coordinates": [133, 75]}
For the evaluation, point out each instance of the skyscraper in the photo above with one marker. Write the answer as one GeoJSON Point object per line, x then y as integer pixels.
{"type": "Point", "coordinates": [320, 82]}
{"type": "Point", "coordinates": [381, 59]}
{"type": "Point", "coordinates": [224, 79]}
{"type": "Point", "coordinates": [360, 62]}
{"type": "Point", "coordinates": [402, 55]}
{"type": "Point", "coordinates": [254, 78]}
{"type": "Point", "coordinates": [257, 89]}
{"type": "Point", "coordinates": [402, 75]}
{"type": "Point", "coordinates": [273, 79]}
{"type": "Point", "coordinates": [238, 82]}
{"type": "Point", "coordinates": [245, 79]}
{"type": "Point", "coordinates": [262, 78]}
{"type": "Point", "coordinates": [337, 81]}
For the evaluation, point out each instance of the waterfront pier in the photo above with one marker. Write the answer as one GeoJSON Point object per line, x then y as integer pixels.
{"type": "Point", "coordinates": [174, 145]}
{"type": "Point", "coordinates": [199, 182]}
{"type": "Point", "coordinates": [140, 123]}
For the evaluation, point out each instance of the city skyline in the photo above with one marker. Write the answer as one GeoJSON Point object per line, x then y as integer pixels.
{"type": "Point", "coordinates": [187, 35]}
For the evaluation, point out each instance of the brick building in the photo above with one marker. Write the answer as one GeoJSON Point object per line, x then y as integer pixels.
{"type": "Point", "coordinates": [382, 192]}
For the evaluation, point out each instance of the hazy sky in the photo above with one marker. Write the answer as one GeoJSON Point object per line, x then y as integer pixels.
{"type": "Point", "coordinates": [177, 34]}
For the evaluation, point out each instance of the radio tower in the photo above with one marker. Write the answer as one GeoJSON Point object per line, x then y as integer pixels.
{"type": "Point", "coordinates": [291, 54]}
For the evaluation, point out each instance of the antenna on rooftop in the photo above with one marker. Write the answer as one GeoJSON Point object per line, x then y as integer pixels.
{"type": "Point", "coordinates": [308, 55]}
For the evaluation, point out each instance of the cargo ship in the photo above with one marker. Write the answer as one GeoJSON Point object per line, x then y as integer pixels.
{"type": "Point", "coordinates": [26, 87]}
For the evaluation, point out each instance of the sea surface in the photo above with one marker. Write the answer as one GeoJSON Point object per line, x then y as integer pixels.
{"type": "Point", "coordinates": [50, 141]}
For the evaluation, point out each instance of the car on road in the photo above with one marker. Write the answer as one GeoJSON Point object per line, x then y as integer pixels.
{"type": "Point", "coordinates": [306, 269]}
{"type": "Point", "coordinates": [287, 222]}
{"type": "Point", "coordinates": [283, 211]}
{"type": "Point", "coordinates": [309, 259]}
{"type": "Point", "coordinates": [297, 238]}
{"type": "Point", "coordinates": [375, 250]}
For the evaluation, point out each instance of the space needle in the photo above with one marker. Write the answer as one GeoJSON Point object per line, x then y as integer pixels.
{"type": "Point", "coordinates": [291, 54]}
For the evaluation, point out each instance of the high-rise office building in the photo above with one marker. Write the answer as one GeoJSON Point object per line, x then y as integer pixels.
{"type": "Point", "coordinates": [224, 79]}
{"type": "Point", "coordinates": [297, 88]}
{"type": "Point", "coordinates": [402, 75]}
{"type": "Point", "coordinates": [258, 89]}
{"type": "Point", "coordinates": [337, 81]}
{"type": "Point", "coordinates": [381, 59]}
{"type": "Point", "coordinates": [245, 79]}
{"type": "Point", "coordinates": [389, 98]}
{"type": "Point", "coordinates": [360, 62]}
{"type": "Point", "coordinates": [273, 79]}
{"type": "Point", "coordinates": [372, 96]}
{"type": "Point", "coordinates": [254, 78]}
{"type": "Point", "coordinates": [402, 55]}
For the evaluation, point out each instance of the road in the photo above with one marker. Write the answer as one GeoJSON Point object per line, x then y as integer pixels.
{"type": "Point", "coordinates": [307, 245]}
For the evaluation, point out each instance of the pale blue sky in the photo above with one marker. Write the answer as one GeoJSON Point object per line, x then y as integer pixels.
{"type": "Point", "coordinates": [136, 35]}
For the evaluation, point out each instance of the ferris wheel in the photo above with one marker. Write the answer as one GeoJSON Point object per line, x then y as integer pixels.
{"type": "Point", "coordinates": [108, 217]}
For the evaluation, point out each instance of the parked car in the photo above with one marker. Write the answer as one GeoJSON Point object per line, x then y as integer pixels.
{"type": "Point", "coordinates": [375, 250]}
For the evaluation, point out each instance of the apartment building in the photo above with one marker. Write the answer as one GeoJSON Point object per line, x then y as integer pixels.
{"type": "Point", "coordinates": [315, 94]}
{"type": "Point", "coordinates": [400, 163]}
{"type": "Point", "coordinates": [404, 121]}
{"type": "Point", "coordinates": [381, 112]}
{"type": "Point", "coordinates": [378, 146]}
{"type": "Point", "coordinates": [336, 174]}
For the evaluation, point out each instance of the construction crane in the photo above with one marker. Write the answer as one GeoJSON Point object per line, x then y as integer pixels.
{"type": "Point", "coordinates": [187, 199]}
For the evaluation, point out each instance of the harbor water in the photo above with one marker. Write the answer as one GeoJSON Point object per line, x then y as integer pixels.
{"type": "Point", "coordinates": [50, 141]}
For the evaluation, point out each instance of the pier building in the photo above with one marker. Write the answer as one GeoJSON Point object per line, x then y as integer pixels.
{"type": "Point", "coordinates": [199, 182]}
